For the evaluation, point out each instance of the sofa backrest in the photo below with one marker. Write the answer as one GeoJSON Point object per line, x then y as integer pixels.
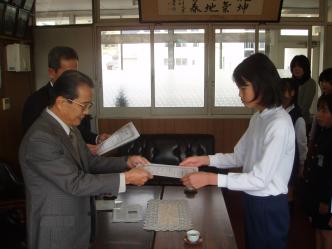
{"type": "Point", "coordinates": [169, 149]}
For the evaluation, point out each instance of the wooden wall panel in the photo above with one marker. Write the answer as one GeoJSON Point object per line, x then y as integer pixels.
{"type": "Point", "coordinates": [16, 86]}
{"type": "Point", "coordinates": [226, 131]}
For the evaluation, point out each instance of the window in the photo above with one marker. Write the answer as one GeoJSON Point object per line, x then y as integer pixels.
{"type": "Point", "coordinates": [231, 47]}
{"type": "Point", "coordinates": [180, 81]}
{"type": "Point", "coordinates": [166, 71]}
{"type": "Point", "coordinates": [63, 12]}
{"type": "Point", "coordinates": [126, 68]}
{"type": "Point", "coordinates": [306, 9]}
{"type": "Point", "coordinates": [329, 10]}
{"type": "Point", "coordinates": [282, 45]}
{"type": "Point", "coordinates": [118, 9]}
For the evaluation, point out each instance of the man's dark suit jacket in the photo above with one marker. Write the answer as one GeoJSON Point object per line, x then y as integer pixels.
{"type": "Point", "coordinates": [59, 181]}
{"type": "Point", "coordinates": [38, 101]}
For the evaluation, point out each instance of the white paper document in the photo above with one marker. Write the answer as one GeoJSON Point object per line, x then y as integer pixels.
{"type": "Point", "coordinates": [130, 213]}
{"type": "Point", "coordinates": [169, 170]}
{"type": "Point", "coordinates": [125, 134]}
{"type": "Point", "coordinates": [104, 205]}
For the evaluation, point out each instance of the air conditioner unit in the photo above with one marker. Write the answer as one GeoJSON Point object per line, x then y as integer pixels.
{"type": "Point", "coordinates": [18, 57]}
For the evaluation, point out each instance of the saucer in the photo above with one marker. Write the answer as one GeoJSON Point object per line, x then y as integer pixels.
{"type": "Point", "coordinates": [188, 242]}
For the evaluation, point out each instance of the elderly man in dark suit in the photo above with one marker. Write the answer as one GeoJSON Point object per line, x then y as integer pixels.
{"type": "Point", "coordinates": [60, 59]}
{"type": "Point", "coordinates": [61, 174]}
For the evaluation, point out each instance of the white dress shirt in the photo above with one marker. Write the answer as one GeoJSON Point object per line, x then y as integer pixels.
{"type": "Point", "coordinates": [122, 186]}
{"type": "Point", "coordinates": [301, 136]}
{"type": "Point", "coordinates": [266, 152]}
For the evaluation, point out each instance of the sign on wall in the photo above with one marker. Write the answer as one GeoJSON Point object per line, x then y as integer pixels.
{"type": "Point", "coordinates": [209, 10]}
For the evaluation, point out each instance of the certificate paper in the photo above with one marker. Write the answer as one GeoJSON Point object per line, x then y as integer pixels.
{"type": "Point", "coordinates": [169, 170]}
{"type": "Point", "coordinates": [125, 134]}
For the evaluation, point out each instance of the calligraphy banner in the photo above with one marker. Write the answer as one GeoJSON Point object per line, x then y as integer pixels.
{"type": "Point", "coordinates": [210, 10]}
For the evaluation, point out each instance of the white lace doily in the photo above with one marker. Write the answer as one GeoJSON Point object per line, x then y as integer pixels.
{"type": "Point", "coordinates": [167, 215]}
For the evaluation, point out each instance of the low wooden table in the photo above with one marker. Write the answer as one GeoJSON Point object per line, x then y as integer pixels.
{"type": "Point", "coordinates": [209, 216]}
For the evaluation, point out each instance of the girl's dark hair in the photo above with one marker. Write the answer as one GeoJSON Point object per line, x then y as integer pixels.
{"type": "Point", "coordinates": [57, 54]}
{"type": "Point", "coordinates": [288, 84]}
{"type": "Point", "coordinates": [66, 85]}
{"type": "Point", "coordinates": [326, 75]}
{"type": "Point", "coordinates": [259, 70]}
{"type": "Point", "coordinates": [303, 62]}
{"type": "Point", "coordinates": [325, 100]}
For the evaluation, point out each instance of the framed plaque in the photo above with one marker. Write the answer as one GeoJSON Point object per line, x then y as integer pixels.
{"type": "Point", "coordinates": [158, 11]}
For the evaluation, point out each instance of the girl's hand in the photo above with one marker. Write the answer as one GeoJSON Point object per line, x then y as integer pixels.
{"type": "Point", "coordinates": [195, 161]}
{"type": "Point", "coordinates": [199, 180]}
{"type": "Point", "coordinates": [323, 208]}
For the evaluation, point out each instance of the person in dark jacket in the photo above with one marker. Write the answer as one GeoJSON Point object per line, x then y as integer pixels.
{"type": "Point", "coordinates": [319, 175]}
{"type": "Point", "coordinates": [60, 59]}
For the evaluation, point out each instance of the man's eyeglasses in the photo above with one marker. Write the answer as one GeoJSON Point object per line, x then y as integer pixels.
{"type": "Point", "coordinates": [85, 107]}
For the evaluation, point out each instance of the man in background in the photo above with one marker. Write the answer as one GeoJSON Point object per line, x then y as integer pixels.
{"type": "Point", "coordinates": [60, 59]}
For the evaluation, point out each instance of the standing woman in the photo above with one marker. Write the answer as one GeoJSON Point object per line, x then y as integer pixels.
{"type": "Point", "coordinates": [301, 73]}
{"type": "Point", "coordinates": [265, 151]}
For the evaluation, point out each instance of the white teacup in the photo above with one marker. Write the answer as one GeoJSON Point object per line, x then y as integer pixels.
{"type": "Point", "coordinates": [193, 236]}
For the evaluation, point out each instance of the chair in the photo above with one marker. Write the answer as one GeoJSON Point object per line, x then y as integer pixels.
{"type": "Point", "coordinates": [12, 209]}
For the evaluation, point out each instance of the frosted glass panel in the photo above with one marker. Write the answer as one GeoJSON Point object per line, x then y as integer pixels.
{"type": "Point", "coordinates": [179, 68]}
{"type": "Point", "coordinates": [231, 47]}
{"type": "Point", "coordinates": [126, 68]}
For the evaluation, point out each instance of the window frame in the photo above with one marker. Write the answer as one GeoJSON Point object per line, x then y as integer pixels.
{"type": "Point", "coordinates": [209, 110]}
{"type": "Point", "coordinates": [152, 110]}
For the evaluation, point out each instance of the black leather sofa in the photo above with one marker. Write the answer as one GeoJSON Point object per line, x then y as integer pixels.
{"type": "Point", "coordinates": [170, 149]}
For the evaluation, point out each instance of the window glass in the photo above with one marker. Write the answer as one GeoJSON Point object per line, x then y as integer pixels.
{"type": "Point", "coordinates": [63, 12]}
{"type": "Point", "coordinates": [231, 47]}
{"type": "Point", "coordinates": [329, 10]}
{"type": "Point", "coordinates": [126, 73]}
{"type": "Point", "coordinates": [117, 9]}
{"type": "Point", "coordinates": [282, 45]}
{"type": "Point", "coordinates": [303, 8]}
{"type": "Point", "coordinates": [179, 68]}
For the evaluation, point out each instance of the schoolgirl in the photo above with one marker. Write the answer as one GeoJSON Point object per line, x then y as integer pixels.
{"type": "Point", "coordinates": [319, 175]}
{"type": "Point", "coordinates": [266, 153]}
{"type": "Point", "coordinates": [290, 91]}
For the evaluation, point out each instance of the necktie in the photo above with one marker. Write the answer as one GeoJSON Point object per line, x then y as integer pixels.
{"type": "Point", "coordinates": [74, 141]}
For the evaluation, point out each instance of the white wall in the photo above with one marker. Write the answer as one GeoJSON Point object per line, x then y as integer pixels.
{"type": "Point", "coordinates": [80, 38]}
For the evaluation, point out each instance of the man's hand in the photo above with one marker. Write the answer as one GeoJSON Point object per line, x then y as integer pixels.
{"type": "Point", "coordinates": [195, 161]}
{"type": "Point", "coordinates": [330, 222]}
{"type": "Point", "coordinates": [137, 176]}
{"type": "Point", "coordinates": [102, 137]}
{"type": "Point", "coordinates": [134, 161]}
{"type": "Point", "coordinates": [93, 148]}
{"type": "Point", "coordinates": [199, 180]}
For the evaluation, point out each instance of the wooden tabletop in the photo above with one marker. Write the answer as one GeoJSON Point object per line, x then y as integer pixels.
{"type": "Point", "coordinates": [209, 216]}
{"type": "Point", "coordinates": [126, 235]}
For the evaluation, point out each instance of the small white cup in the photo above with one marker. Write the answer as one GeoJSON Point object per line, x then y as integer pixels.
{"type": "Point", "coordinates": [193, 236]}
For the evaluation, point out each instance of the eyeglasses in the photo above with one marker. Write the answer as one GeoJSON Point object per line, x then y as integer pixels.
{"type": "Point", "coordinates": [85, 107]}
